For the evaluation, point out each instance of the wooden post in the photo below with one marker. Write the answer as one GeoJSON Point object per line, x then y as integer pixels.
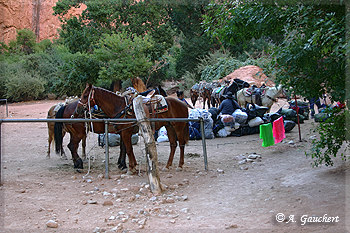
{"type": "Point", "coordinates": [297, 110]}
{"type": "Point", "coordinates": [151, 149]}
{"type": "Point", "coordinates": [106, 151]}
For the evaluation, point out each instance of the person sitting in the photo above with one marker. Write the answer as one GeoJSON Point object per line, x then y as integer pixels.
{"type": "Point", "coordinates": [228, 105]}
{"type": "Point", "coordinates": [315, 101]}
{"type": "Point", "coordinates": [180, 96]}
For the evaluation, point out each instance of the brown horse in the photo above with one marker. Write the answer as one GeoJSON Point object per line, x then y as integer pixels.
{"type": "Point", "coordinates": [51, 114]}
{"type": "Point", "coordinates": [77, 133]}
{"type": "Point", "coordinates": [51, 126]}
{"type": "Point", "coordinates": [116, 106]}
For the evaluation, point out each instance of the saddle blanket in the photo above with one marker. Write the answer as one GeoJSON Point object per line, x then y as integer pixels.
{"type": "Point", "coordinates": [219, 90]}
{"type": "Point", "coordinates": [156, 102]}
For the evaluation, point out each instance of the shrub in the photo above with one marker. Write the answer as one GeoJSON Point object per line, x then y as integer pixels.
{"type": "Point", "coordinates": [22, 86]}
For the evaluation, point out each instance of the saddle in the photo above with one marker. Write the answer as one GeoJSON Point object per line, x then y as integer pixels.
{"type": "Point", "coordinates": [256, 93]}
{"type": "Point", "coordinates": [155, 103]}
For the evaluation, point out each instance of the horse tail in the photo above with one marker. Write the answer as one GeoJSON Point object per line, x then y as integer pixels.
{"type": "Point", "coordinates": [58, 130]}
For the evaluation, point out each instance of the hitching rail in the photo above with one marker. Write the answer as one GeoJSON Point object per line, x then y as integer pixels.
{"type": "Point", "coordinates": [107, 121]}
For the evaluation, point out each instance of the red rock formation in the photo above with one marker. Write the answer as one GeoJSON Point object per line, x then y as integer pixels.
{"type": "Point", "coordinates": [36, 15]}
{"type": "Point", "coordinates": [252, 75]}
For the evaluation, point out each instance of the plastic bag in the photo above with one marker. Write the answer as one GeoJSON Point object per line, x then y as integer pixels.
{"type": "Point", "coordinates": [240, 116]}
{"type": "Point", "coordinates": [255, 122]}
{"type": "Point", "coordinates": [222, 133]}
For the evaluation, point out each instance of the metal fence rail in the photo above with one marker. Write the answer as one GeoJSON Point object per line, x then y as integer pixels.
{"type": "Point", "coordinates": [106, 122]}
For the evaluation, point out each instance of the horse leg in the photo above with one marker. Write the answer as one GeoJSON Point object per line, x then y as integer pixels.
{"type": "Point", "coordinates": [122, 155]}
{"type": "Point", "coordinates": [50, 139]}
{"type": "Point", "coordinates": [83, 145]}
{"type": "Point", "coordinates": [73, 147]}
{"type": "Point", "coordinates": [173, 144]}
{"type": "Point", "coordinates": [126, 136]}
{"type": "Point", "coordinates": [63, 154]}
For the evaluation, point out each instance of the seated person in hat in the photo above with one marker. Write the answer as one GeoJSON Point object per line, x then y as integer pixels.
{"type": "Point", "coordinates": [228, 105]}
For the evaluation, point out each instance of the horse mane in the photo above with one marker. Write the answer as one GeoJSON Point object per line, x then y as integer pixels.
{"type": "Point", "coordinates": [108, 92]}
{"type": "Point", "coordinates": [138, 84]}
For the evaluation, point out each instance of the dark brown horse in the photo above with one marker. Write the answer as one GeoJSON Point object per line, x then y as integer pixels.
{"type": "Point", "coordinates": [235, 85]}
{"type": "Point", "coordinates": [77, 133]}
{"type": "Point", "coordinates": [116, 106]}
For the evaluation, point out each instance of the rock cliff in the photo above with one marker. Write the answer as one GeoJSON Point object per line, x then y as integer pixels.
{"type": "Point", "coordinates": [36, 15]}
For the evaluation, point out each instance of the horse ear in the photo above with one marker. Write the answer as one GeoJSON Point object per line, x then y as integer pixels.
{"type": "Point", "coordinates": [88, 85]}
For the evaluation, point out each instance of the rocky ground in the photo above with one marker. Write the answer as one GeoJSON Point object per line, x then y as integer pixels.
{"type": "Point", "coordinates": [244, 190]}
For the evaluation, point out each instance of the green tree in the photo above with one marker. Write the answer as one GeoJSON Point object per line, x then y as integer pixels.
{"type": "Point", "coordinates": [26, 40]}
{"type": "Point", "coordinates": [123, 56]}
{"type": "Point", "coordinates": [309, 52]}
{"type": "Point", "coordinates": [112, 16]}
{"type": "Point", "coordinates": [186, 18]}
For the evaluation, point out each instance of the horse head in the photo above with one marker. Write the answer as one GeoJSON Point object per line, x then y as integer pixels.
{"type": "Point", "coordinates": [86, 100]}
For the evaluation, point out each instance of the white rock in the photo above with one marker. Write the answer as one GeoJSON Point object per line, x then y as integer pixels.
{"type": "Point", "coordinates": [142, 221]}
{"type": "Point", "coordinates": [52, 224]}
{"type": "Point", "coordinates": [106, 193]}
{"type": "Point", "coordinates": [253, 156]}
{"type": "Point", "coordinates": [291, 142]}
{"type": "Point", "coordinates": [154, 198]}
{"type": "Point", "coordinates": [240, 157]}
{"type": "Point", "coordinates": [184, 197]}
{"type": "Point", "coordinates": [242, 161]}
{"type": "Point", "coordinates": [220, 171]}
{"type": "Point", "coordinates": [92, 202]}
{"type": "Point", "coordinates": [184, 210]}
{"type": "Point", "coordinates": [111, 218]}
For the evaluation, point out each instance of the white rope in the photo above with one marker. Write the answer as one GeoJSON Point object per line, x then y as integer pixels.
{"type": "Point", "coordinates": [87, 133]}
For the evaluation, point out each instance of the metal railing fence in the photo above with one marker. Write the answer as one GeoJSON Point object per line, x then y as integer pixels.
{"type": "Point", "coordinates": [106, 122]}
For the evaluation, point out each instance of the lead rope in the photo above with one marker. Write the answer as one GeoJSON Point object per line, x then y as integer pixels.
{"type": "Point", "coordinates": [88, 155]}
{"type": "Point", "coordinates": [87, 132]}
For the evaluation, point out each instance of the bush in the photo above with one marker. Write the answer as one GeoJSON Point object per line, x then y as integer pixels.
{"type": "Point", "coordinates": [332, 138]}
{"type": "Point", "coordinates": [22, 86]}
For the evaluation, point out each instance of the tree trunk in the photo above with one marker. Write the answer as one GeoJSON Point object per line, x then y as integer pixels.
{"type": "Point", "coordinates": [151, 149]}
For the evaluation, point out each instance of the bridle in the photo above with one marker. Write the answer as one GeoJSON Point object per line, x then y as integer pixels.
{"type": "Point", "coordinates": [90, 99]}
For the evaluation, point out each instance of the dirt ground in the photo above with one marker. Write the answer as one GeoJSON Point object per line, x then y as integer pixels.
{"type": "Point", "coordinates": [229, 197]}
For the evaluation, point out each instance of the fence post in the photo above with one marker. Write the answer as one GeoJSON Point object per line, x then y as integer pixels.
{"type": "Point", "coordinates": [151, 149]}
{"type": "Point", "coordinates": [204, 144]}
{"type": "Point", "coordinates": [106, 151]}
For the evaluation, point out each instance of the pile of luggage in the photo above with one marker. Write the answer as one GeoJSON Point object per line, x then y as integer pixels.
{"type": "Point", "coordinates": [245, 121]}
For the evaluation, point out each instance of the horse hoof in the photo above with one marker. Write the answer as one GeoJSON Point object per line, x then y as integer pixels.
{"type": "Point", "coordinates": [165, 169]}
{"type": "Point", "coordinates": [179, 169]}
{"type": "Point", "coordinates": [122, 166]}
{"type": "Point", "coordinates": [78, 164]}
{"type": "Point", "coordinates": [131, 171]}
